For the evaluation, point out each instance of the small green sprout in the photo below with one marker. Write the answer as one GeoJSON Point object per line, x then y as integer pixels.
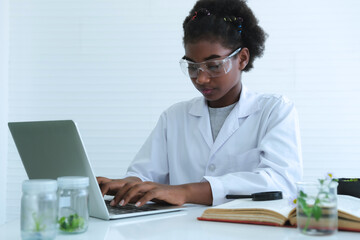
{"type": "Point", "coordinates": [38, 226]}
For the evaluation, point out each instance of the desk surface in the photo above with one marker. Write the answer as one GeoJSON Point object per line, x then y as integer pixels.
{"type": "Point", "coordinates": [179, 225]}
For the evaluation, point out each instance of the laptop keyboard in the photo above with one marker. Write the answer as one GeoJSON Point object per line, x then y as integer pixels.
{"type": "Point", "coordinates": [128, 208]}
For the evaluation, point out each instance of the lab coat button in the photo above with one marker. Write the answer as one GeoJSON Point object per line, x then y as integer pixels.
{"type": "Point", "coordinates": [212, 167]}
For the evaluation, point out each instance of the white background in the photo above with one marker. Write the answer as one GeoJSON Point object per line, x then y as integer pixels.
{"type": "Point", "coordinates": [112, 66]}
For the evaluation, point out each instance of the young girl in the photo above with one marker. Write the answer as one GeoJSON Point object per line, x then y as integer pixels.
{"type": "Point", "coordinates": [231, 140]}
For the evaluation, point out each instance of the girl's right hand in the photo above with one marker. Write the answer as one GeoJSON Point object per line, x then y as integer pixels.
{"type": "Point", "coordinates": [112, 186]}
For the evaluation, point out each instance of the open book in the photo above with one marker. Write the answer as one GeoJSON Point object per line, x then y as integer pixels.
{"type": "Point", "coordinates": [280, 212]}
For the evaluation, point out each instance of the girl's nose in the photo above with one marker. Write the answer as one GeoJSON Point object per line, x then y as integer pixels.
{"type": "Point", "coordinates": [202, 77]}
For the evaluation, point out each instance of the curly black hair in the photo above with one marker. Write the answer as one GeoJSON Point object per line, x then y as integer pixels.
{"type": "Point", "coordinates": [230, 22]}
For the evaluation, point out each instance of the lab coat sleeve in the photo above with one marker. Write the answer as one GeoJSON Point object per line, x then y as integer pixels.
{"type": "Point", "coordinates": [150, 163]}
{"type": "Point", "coordinates": [279, 164]}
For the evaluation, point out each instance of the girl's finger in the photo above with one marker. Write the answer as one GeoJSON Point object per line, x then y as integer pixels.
{"type": "Point", "coordinates": [148, 196]}
{"type": "Point", "coordinates": [123, 191]}
{"type": "Point", "coordinates": [142, 188]}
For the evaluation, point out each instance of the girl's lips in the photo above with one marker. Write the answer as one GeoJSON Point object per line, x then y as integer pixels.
{"type": "Point", "coordinates": [207, 91]}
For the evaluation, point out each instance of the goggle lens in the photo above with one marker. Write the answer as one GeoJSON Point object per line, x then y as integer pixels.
{"type": "Point", "coordinates": [214, 68]}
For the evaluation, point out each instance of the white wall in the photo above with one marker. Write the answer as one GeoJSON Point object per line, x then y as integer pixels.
{"type": "Point", "coordinates": [4, 45]}
{"type": "Point", "coordinates": [313, 55]}
{"type": "Point", "coordinates": [112, 66]}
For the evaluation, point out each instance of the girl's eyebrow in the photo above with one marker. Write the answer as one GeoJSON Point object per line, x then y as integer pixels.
{"type": "Point", "coordinates": [205, 59]}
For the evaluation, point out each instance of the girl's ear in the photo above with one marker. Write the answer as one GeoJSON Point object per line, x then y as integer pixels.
{"type": "Point", "coordinates": [244, 56]}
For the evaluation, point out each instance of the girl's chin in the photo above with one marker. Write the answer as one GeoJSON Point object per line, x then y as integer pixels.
{"type": "Point", "coordinates": [210, 99]}
{"type": "Point", "coordinates": [210, 96]}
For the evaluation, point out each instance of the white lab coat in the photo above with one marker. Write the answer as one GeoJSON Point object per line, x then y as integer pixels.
{"type": "Point", "coordinates": [257, 149]}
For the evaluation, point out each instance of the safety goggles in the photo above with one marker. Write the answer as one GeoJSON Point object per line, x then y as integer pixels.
{"type": "Point", "coordinates": [215, 68]}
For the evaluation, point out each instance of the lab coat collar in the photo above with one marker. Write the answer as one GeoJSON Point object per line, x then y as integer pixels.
{"type": "Point", "coordinates": [247, 105]}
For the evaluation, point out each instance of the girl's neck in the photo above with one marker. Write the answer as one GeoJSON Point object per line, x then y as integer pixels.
{"type": "Point", "coordinates": [232, 97]}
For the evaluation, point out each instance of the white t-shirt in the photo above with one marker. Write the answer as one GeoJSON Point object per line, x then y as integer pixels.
{"type": "Point", "coordinates": [218, 117]}
{"type": "Point", "coordinates": [257, 149]}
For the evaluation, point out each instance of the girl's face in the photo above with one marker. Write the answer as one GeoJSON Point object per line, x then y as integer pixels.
{"type": "Point", "coordinates": [219, 91]}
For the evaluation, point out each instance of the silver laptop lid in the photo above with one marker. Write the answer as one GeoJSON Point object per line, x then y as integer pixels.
{"type": "Point", "coordinates": [51, 149]}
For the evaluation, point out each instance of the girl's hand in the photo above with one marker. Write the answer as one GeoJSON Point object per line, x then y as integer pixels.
{"type": "Point", "coordinates": [112, 186]}
{"type": "Point", "coordinates": [142, 192]}
{"type": "Point", "coordinates": [150, 191]}
{"type": "Point", "coordinates": [132, 189]}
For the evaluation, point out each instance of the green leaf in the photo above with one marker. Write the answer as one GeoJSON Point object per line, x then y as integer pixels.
{"type": "Point", "coordinates": [302, 194]}
{"type": "Point", "coordinates": [81, 222]}
{"type": "Point", "coordinates": [61, 220]}
{"type": "Point", "coordinates": [317, 212]}
{"type": "Point", "coordinates": [306, 208]}
{"type": "Point", "coordinates": [75, 223]}
{"type": "Point", "coordinates": [38, 226]}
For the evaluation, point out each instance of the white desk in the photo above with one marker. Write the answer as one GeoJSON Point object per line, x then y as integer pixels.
{"type": "Point", "coordinates": [183, 225]}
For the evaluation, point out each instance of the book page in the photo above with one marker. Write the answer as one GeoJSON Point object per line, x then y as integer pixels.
{"type": "Point", "coordinates": [349, 205]}
{"type": "Point", "coordinates": [281, 206]}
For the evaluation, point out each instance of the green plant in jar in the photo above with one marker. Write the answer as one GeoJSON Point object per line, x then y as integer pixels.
{"type": "Point", "coordinates": [316, 209]}
{"type": "Point", "coordinates": [71, 223]}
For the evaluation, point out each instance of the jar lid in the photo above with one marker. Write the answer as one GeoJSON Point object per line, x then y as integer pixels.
{"type": "Point", "coordinates": [73, 182]}
{"type": "Point", "coordinates": [39, 185]}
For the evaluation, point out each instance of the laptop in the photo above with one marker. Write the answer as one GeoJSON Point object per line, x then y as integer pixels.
{"type": "Point", "coordinates": [51, 149]}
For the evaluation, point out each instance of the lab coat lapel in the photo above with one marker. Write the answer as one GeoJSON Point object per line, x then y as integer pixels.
{"type": "Point", "coordinates": [200, 110]}
{"type": "Point", "coordinates": [246, 106]}
{"type": "Point", "coordinates": [230, 125]}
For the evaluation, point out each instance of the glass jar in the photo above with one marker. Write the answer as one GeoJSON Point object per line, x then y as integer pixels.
{"type": "Point", "coordinates": [39, 209]}
{"type": "Point", "coordinates": [317, 208]}
{"type": "Point", "coordinates": [73, 197]}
